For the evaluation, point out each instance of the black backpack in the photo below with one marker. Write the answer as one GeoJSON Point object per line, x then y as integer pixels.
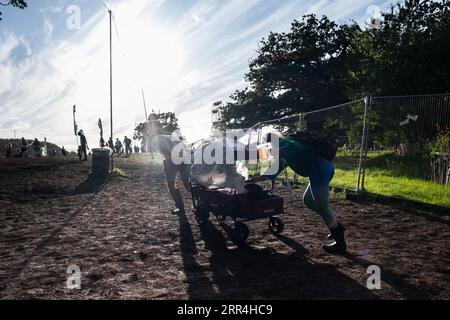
{"type": "Point", "coordinates": [323, 145]}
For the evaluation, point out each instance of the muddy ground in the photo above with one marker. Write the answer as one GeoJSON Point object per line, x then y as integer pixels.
{"type": "Point", "coordinates": [129, 246]}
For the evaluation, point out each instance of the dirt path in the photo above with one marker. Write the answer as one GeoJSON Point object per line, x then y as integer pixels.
{"type": "Point", "coordinates": [128, 245]}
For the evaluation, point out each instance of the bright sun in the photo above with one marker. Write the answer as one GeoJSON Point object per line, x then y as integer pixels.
{"type": "Point", "coordinates": [154, 58]}
{"type": "Point", "coordinates": [146, 57]}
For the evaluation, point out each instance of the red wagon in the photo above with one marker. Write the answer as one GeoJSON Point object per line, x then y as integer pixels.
{"type": "Point", "coordinates": [240, 208]}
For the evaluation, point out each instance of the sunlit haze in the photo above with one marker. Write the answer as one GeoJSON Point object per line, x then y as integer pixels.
{"type": "Point", "coordinates": [184, 55]}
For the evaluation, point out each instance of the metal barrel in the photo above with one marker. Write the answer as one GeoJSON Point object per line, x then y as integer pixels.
{"type": "Point", "coordinates": [101, 162]}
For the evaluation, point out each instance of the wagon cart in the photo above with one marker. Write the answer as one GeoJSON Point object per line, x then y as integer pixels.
{"type": "Point", "coordinates": [240, 207]}
{"type": "Point", "coordinates": [223, 189]}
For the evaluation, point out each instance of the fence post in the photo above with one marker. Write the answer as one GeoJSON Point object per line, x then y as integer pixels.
{"type": "Point", "coordinates": [300, 121]}
{"type": "Point", "coordinates": [363, 140]}
{"type": "Point", "coordinates": [366, 143]}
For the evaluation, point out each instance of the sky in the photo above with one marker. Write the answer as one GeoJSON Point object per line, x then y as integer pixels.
{"type": "Point", "coordinates": [183, 54]}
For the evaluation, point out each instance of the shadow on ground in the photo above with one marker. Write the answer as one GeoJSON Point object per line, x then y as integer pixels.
{"type": "Point", "coordinates": [243, 272]}
{"type": "Point", "coordinates": [93, 184]}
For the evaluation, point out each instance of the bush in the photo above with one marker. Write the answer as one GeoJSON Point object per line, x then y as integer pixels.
{"type": "Point", "coordinates": [442, 143]}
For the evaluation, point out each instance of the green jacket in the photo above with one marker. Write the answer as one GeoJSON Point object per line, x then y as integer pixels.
{"type": "Point", "coordinates": [297, 156]}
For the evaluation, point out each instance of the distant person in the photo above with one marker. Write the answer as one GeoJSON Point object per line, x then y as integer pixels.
{"type": "Point", "coordinates": [102, 142]}
{"type": "Point", "coordinates": [136, 149]}
{"type": "Point", "coordinates": [23, 147]}
{"type": "Point", "coordinates": [118, 146]}
{"type": "Point", "coordinates": [8, 150]}
{"type": "Point", "coordinates": [164, 144]}
{"type": "Point", "coordinates": [127, 143]}
{"type": "Point", "coordinates": [54, 153]}
{"type": "Point", "coordinates": [80, 153]}
{"type": "Point", "coordinates": [83, 145]}
{"type": "Point", "coordinates": [63, 152]}
{"type": "Point", "coordinates": [37, 148]}
{"type": "Point", "coordinates": [153, 129]}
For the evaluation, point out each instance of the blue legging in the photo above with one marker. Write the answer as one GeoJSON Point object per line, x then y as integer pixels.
{"type": "Point", "coordinates": [317, 193]}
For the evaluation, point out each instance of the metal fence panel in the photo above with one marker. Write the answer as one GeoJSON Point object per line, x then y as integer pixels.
{"type": "Point", "coordinates": [408, 148]}
{"type": "Point", "coordinates": [394, 146]}
{"type": "Point", "coordinates": [345, 123]}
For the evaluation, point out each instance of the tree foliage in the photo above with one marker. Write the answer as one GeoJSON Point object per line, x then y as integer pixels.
{"type": "Point", "coordinates": [21, 4]}
{"type": "Point", "coordinates": [320, 63]}
{"type": "Point", "coordinates": [297, 71]}
{"type": "Point", "coordinates": [408, 54]}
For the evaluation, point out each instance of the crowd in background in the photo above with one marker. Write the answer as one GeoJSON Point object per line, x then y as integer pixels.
{"type": "Point", "coordinates": [24, 148]}
{"type": "Point", "coordinates": [34, 149]}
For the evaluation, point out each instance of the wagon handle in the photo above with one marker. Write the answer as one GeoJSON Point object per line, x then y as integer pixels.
{"type": "Point", "coordinates": [273, 187]}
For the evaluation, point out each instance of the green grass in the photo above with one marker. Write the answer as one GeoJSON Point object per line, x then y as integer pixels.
{"type": "Point", "coordinates": [380, 182]}
{"type": "Point", "coordinates": [118, 173]}
{"type": "Point", "coordinates": [394, 176]}
{"type": "Point", "coordinates": [389, 175]}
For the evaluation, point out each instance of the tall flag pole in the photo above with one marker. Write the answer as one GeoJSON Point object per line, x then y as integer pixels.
{"type": "Point", "coordinates": [111, 84]}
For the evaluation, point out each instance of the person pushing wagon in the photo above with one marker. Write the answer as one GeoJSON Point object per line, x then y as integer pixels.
{"type": "Point", "coordinates": [317, 165]}
{"type": "Point", "coordinates": [164, 144]}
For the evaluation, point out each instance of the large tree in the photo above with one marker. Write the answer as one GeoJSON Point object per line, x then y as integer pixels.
{"type": "Point", "coordinates": [162, 123]}
{"type": "Point", "coordinates": [302, 70]}
{"type": "Point", "coordinates": [320, 63]}
{"type": "Point", "coordinates": [409, 54]}
{"type": "Point", "coordinates": [21, 4]}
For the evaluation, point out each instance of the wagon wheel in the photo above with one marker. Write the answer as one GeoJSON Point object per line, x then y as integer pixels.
{"type": "Point", "coordinates": [195, 198]}
{"type": "Point", "coordinates": [242, 231]}
{"type": "Point", "coordinates": [202, 215]}
{"type": "Point", "coordinates": [221, 217]}
{"type": "Point", "coordinates": [276, 225]}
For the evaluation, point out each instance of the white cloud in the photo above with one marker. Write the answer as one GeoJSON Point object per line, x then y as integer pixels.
{"type": "Point", "coordinates": [317, 7]}
{"type": "Point", "coordinates": [9, 43]}
{"type": "Point", "coordinates": [184, 67]}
